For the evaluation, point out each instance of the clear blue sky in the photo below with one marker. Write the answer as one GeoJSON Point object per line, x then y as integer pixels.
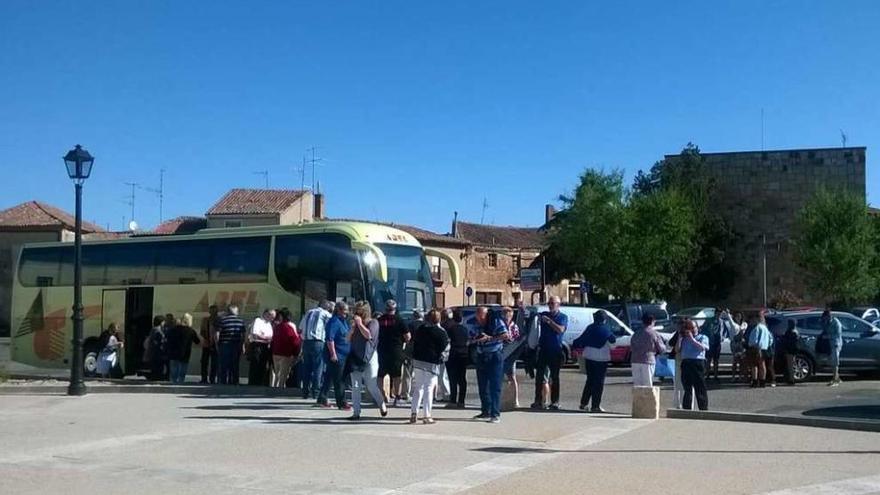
{"type": "Point", "coordinates": [419, 108]}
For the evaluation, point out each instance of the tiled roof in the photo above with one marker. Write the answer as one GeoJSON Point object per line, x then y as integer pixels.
{"type": "Point", "coordinates": [255, 201]}
{"type": "Point", "coordinates": [181, 225]}
{"type": "Point", "coordinates": [421, 235]}
{"type": "Point", "coordinates": [106, 236]}
{"type": "Point", "coordinates": [509, 237]}
{"type": "Point", "coordinates": [39, 215]}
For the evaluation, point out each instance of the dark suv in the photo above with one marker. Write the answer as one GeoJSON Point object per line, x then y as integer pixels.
{"type": "Point", "coordinates": [861, 342]}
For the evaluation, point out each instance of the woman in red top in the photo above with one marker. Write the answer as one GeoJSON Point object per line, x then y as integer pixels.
{"type": "Point", "coordinates": [286, 345]}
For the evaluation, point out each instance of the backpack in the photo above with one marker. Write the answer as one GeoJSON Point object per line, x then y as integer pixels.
{"type": "Point", "coordinates": [158, 343]}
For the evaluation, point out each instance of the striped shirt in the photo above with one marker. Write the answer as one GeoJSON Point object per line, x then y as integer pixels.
{"type": "Point", "coordinates": [313, 324]}
{"type": "Point", "coordinates": [231, 329]}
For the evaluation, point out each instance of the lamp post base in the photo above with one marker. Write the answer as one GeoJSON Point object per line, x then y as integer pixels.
{"type": "Point", "coordinates": [76, 388]}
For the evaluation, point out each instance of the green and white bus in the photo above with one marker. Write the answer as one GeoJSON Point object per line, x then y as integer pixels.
{"type": "Point", "coordinates": [128, 281]}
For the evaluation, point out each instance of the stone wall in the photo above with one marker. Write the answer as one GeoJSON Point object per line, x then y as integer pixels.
{"type": "Point", "coordinates": [761, 193]}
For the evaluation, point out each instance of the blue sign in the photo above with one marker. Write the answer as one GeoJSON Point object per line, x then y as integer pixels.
{"type": "Point", "coordinates": [469, 292]}
{"type": "Point", "coordinates": [586, 287]}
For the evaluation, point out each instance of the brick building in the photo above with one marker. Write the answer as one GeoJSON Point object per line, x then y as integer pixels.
{"type": "Point", "coordinates": [761, 193]}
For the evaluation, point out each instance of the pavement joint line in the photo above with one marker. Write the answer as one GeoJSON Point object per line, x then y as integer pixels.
{"type": "Point", "coordinates": [853, 486]}
{"type": "Point", "coordinates": [500, 466]}
{"type": "Point", "coordinates": [500, 442]}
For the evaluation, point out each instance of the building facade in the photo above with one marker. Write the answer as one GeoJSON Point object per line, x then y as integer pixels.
{"type": "Point", "coordinates": [252, 207]}
{"type": "Point", "coordinates": [761, 193]}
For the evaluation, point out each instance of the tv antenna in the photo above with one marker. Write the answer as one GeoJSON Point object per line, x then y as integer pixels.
{"type": "Point", "coordinates": [842, 139]}
{"type": "Point", "coordinates": [265, 174]}
{"type": "Point", "coordinates": [130, 200]}
{"type": "Point", "coordinates": [160, 192]}
{"type": "Point", "coordinates": [314, 161]}
{"type": "Point", "coordinates": [485, 207]}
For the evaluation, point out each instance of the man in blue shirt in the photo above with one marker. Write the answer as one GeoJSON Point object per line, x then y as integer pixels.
{"type": "Point", "coordinates": [338, 345]}
{"type": "Point", "coordinates": [692, 348]}
{"type": "Point", "coordinates": [488, 335]}
{"type": "Point", "coordinates": [833, 330]}
{"type": "Point", "coordinates": [596, 342]}
{"type": "Point", "coordinates": [550, 355]}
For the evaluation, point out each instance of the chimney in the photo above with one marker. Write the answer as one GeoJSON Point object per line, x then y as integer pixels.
{"type": "Point", "coordinates": [319, 212]}
{"type": "Point", "coordinates": [549, 213]}
{"type": "Point", "coordinates": [455, 225]}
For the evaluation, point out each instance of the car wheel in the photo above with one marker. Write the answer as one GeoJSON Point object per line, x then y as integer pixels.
{"type": "Point", "coordinates": [803, 368]}
{"type": "Point", "coordinates": [90, 360]}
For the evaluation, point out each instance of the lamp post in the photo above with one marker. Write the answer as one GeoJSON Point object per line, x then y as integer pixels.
{"type": "Point", "coordinates": [79, 166]}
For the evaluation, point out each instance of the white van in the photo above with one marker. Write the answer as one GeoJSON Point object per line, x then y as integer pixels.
{"type": "Point", "coordinates": [579, 318]}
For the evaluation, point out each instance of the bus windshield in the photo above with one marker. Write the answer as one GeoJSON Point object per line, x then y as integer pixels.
{"type": "Point", "coordinates": [409, 280]}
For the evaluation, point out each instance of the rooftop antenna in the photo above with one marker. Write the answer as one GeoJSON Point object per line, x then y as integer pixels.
{"type": "Point", "coordinates": [265, 174]}
{"type": "Point", "coordinates": [842, 139]}
{"type": "Point", "coordinates": [485, 207]}
{"type": "Point", "coordinates": [314, 161]}
{"type": "Point", "coordinates": [762, 128]}
{"type": "Point", "coordinates": [159, 192]}
{"type": "Point", "coordinates": [302, 184]}
{"type": "Point", "coordinates": [130, 200]}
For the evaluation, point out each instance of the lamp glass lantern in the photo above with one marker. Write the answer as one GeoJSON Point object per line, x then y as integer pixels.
{"type": "Point", "coordinates": [79, 163]}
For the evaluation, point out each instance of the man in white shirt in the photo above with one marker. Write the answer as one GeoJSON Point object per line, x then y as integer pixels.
{"type": "Point", "coordinates": [311, 368]}
{"type": "Point", "coordinates": [259, 354]}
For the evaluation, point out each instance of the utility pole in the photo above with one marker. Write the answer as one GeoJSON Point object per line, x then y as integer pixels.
{"type": "Point", "coordinates": [265, 174]}
{"type": "Point", "coordinates": [160, 192]}
{"type": "Point", "coordinates": [764, 263]}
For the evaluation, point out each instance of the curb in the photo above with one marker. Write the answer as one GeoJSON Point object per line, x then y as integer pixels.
{"type": "Point", "coordinates": [837, 424]}
{"type": "Point", "coordinates": [127, 387]}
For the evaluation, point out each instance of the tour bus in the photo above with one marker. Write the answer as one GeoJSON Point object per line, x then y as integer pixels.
{"type": "Point", "coordinates": [129, 281]}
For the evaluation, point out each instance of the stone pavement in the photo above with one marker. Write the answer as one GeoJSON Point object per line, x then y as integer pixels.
{"type": "Point", "coordinates": [161, 443]}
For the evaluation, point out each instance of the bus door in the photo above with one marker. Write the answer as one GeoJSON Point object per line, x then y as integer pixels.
{"type": "Point", "coordinates": [138, 323]}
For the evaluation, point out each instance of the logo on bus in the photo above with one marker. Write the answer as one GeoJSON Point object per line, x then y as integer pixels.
{"type": "Point", "coordinates": [246, 301]}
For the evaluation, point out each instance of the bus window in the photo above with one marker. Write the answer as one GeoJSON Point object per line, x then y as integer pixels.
{"type": "Point", "coordinates": [317, 266]}
{"type": "Point", "coordinates": [409, 279]}
{"type": "Point", "coordinates": [243, 260]}
{"type": "Point", "coordinates": [186, 262]}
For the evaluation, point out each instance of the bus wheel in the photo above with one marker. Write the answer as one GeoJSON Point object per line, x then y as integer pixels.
{"type": "Point", "coordinates": [90, 360]}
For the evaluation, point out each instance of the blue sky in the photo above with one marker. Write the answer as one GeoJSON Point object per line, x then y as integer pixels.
{"type": "Point", "coordinates": [418, 108]}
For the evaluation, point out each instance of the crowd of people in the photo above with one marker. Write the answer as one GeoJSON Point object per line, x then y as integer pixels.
{"type": "Point", "coordinates": [427, 358]}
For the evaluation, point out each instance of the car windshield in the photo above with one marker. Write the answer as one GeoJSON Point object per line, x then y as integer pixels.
{"type": "Point", "coordinates": [409, 280]}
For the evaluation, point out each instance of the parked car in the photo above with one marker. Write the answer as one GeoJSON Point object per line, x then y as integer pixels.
{"type": "Point", "coordinates": [866, 313]}
{"type": "Point", "coordinates": [632, 313]}
{"type": "Point", "coordinates": [861, 343]}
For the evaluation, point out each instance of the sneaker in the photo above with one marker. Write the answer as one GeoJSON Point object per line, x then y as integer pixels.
{"type": "Point", "coordinates": [451, 405]}
{"type": "Point", "coordinates": [383, 410]}
{"type": "Point", "coordinates": [482, 416]}
{"type": "Point", "coordinates": [773, 385]}
{"type": "Point", "coordinates": [597, 410]}
{"type": "Point", "coordinates": [537, 407]}
{"type": "Point", "coordinates": [346, 407]}
{"type": "Point", "coordinates": [354, 417]}
{"type": "Point", "coordinates": [834, 384]}
{"type": "Point", "coordinates": [494, 420]}
{"type": "Point", "coordinates": [582, 407]}
{"type": "Point", "coordinates": [325, 405]}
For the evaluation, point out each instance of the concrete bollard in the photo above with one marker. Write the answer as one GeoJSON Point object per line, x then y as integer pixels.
{"type": "Point", "coordinates": [646, 402]}
{"type": "Point", "coordinates": [508, 396]}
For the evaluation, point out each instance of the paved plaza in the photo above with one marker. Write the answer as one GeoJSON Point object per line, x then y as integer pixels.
{"type": "Point", "coordinates": [162, 443]}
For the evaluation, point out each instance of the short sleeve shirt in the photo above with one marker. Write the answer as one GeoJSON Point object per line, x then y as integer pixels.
{"type": "Point", "coordinates": [337, 332]}
{"type": "Point", "coordinates": [550, 341]}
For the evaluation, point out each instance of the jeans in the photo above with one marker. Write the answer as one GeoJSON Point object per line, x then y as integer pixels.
{"type": "Point", "coordinates": [313, 368]}
{"type": "Point", "coordinates": [490, 372]}
{"type": "Point", "coordinates": [693, 378]}
{"type": "Point", "coordinates": [548, 369]}
{"type": "Point", "coordinates": [595, 385]}
{"type": "Point", "coordinates": [258, 371]}
{"type": "Point", "coordinates": [209, 359]}
{"type": "Point", "coordinates": [424, 383]}
{"type": "Point", "coordinates": [178, 371]}
{"type": "Point", "coordinates": [333, 376]}
{"type": "Point", "coordinates": [230, 353]}
{"type": "Point", "coordinates": [365, 378]}
{"type": "Point", "coordinates": [456, 367]}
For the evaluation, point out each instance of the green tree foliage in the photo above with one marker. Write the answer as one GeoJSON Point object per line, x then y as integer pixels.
{"type": "Point", "coordinates": [630, 246]}
{"type": "Point", "coordinates": [837, 247]}
{"type": "Point", "coordinates": [711, 275]}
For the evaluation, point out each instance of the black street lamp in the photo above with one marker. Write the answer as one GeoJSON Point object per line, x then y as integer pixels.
{"type": "Point", "coordinates": [79, 167]}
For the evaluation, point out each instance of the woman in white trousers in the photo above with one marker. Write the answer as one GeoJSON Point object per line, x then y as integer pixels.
{"type": "Point", "coordinates": [430, 349]}
{"type": "Point", "coordinates": [363, 361]}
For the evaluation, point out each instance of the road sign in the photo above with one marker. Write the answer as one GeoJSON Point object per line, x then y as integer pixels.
{"type": "Point", "coordinates": [531, 279]}
{"type": "Point", "coordinates": [586, 287]}
{"type": "Point", "coordinates": [469, 292]}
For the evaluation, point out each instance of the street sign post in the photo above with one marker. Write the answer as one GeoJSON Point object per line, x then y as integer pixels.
{"type": "Point", "coordinates": [531, 279]}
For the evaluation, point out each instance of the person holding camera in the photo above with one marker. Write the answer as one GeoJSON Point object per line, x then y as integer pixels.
{"type": "Point", "coordinates": [692, 347]}
{"type": "Point", "coordinates": [488, 335]}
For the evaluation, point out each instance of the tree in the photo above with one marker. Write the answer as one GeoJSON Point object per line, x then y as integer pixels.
{"type": "Point", "coordinates": [711, 275]}
{"type": "Point", "coordinates": [837, 247]}
{"type": "Point", "coordinates": [630, 246]}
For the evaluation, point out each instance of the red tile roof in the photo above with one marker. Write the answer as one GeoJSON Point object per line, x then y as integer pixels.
{"type": "Point", "coordinates": [508, 237]}
{"type": "Point", "coordinates": [181, 225]}
{"type": "Point", "coordinates": [39, 215]}
{"type": "Point", "coordinates": [421, 235]}
{"type": "Point", "coordinates": [255, 201]}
